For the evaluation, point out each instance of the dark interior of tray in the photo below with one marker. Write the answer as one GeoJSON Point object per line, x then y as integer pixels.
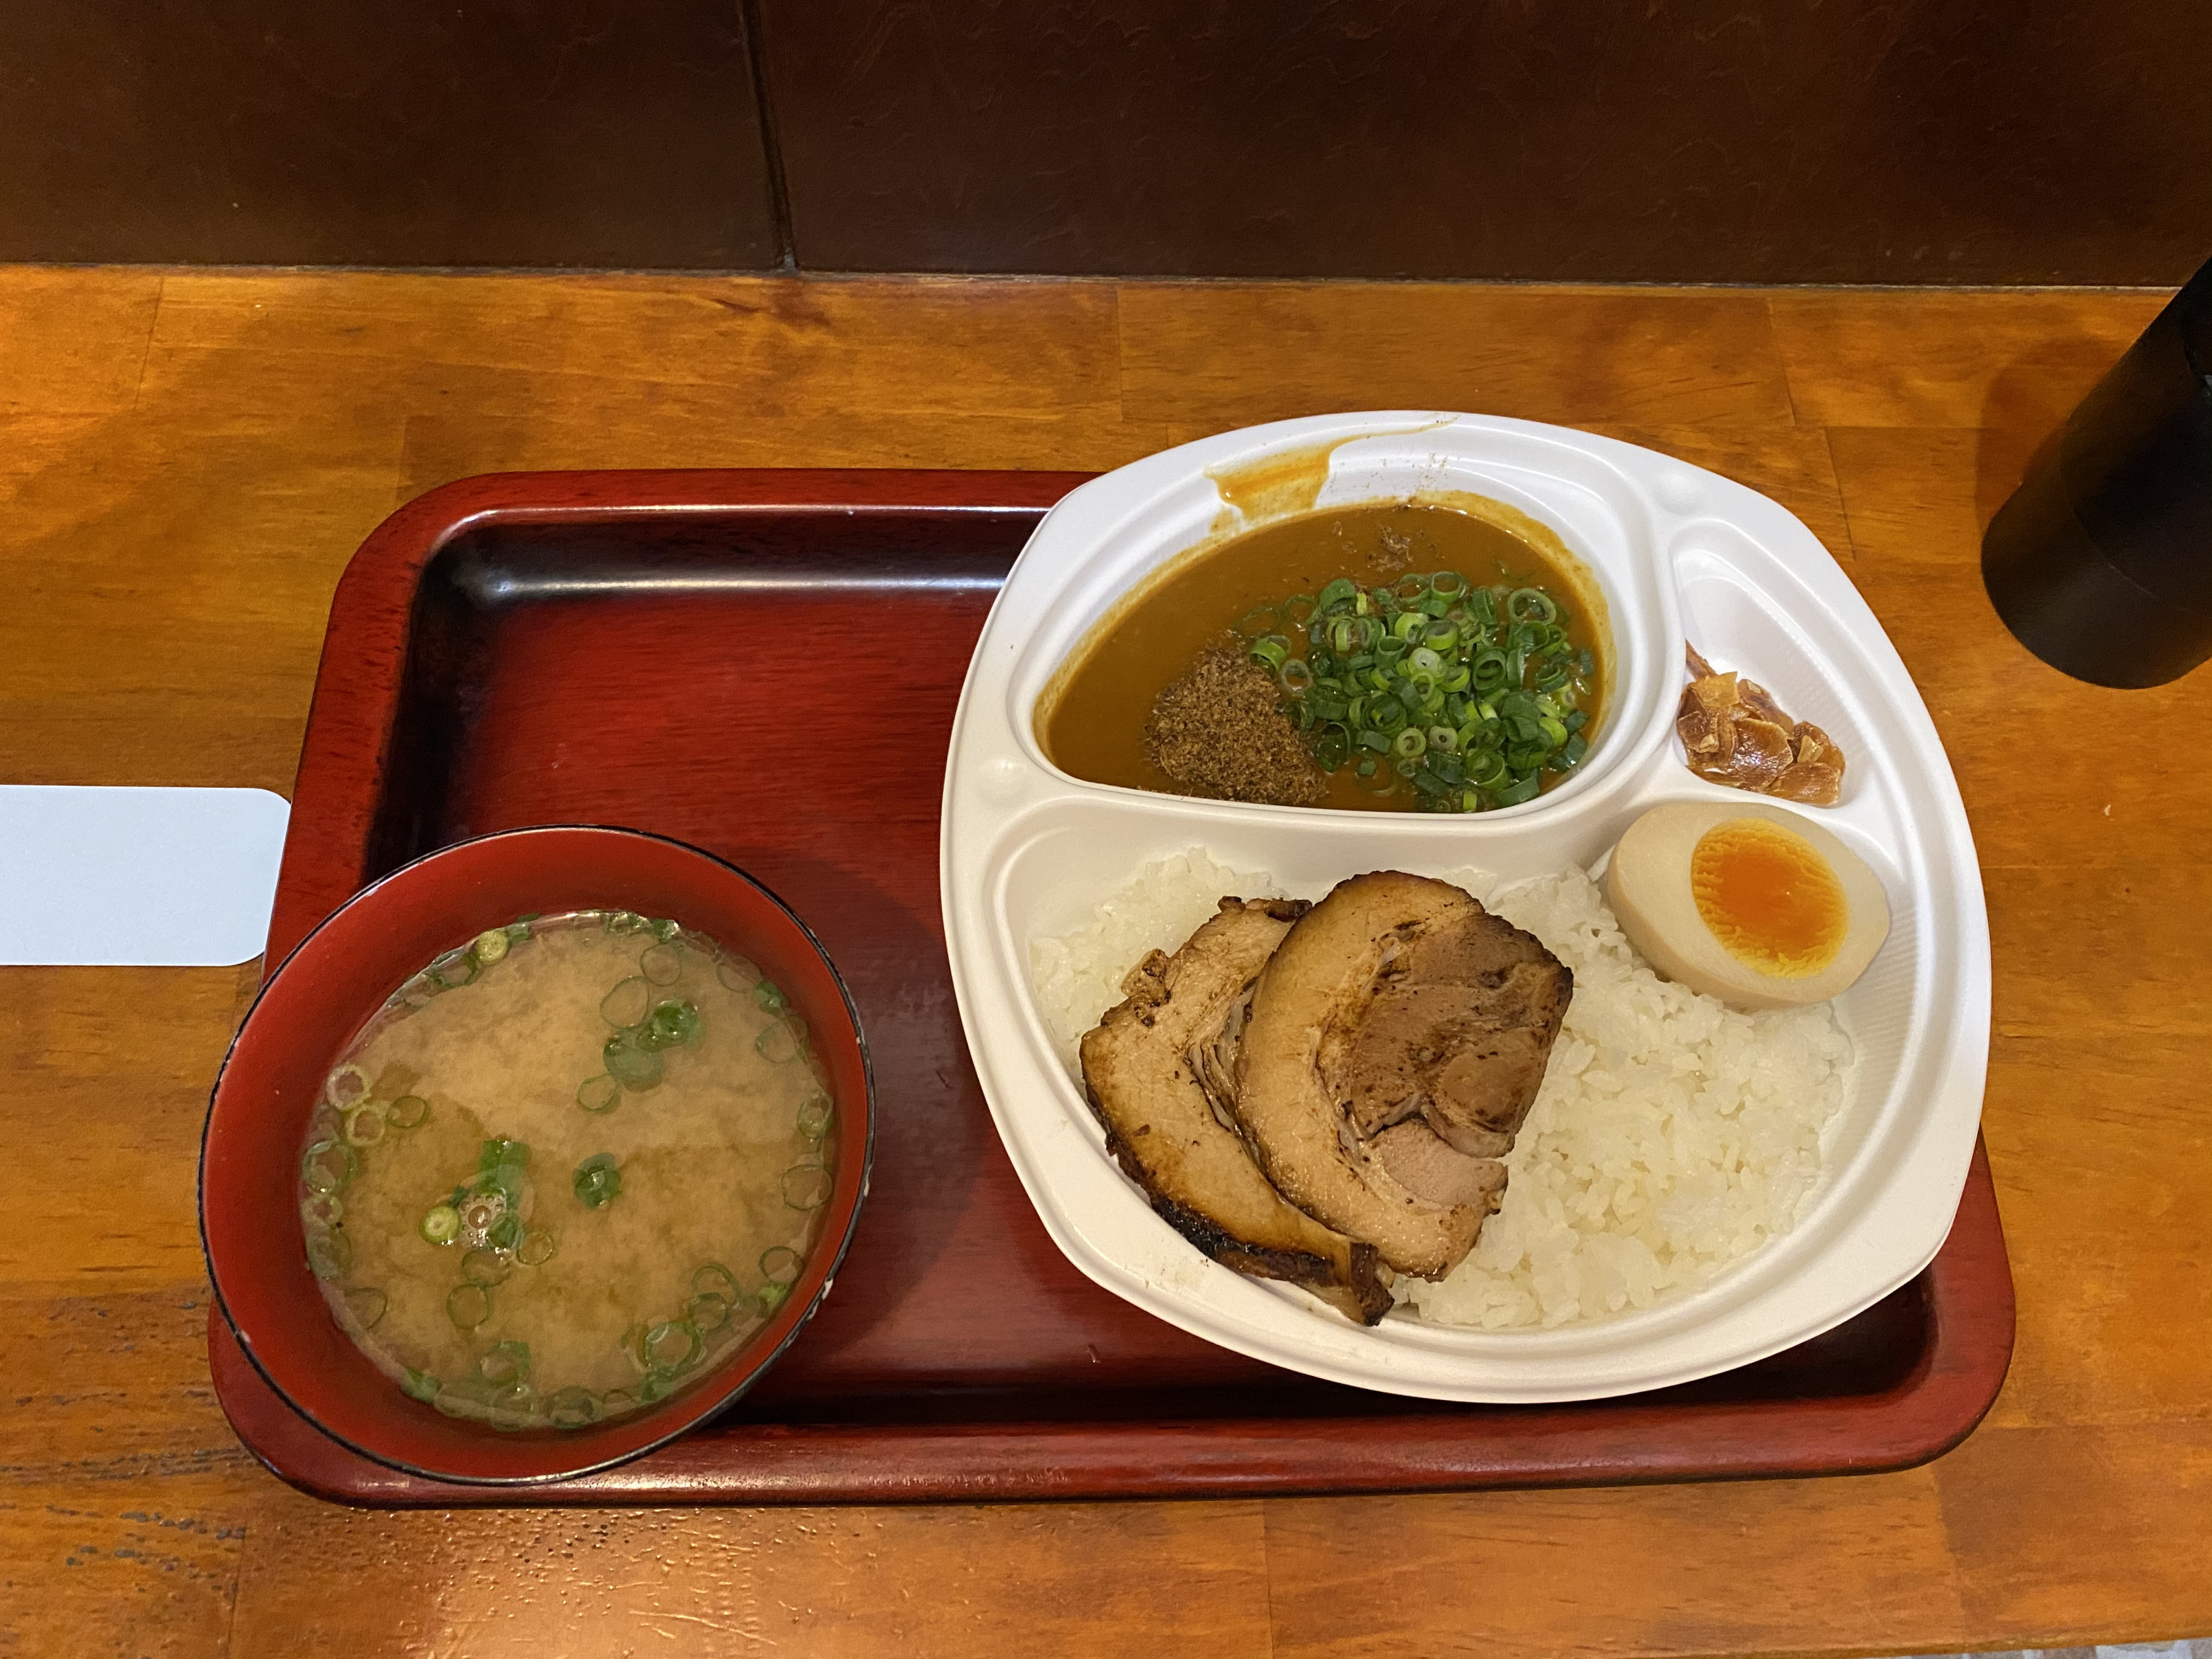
{"type": "Point", "coordinates": [777, 686]}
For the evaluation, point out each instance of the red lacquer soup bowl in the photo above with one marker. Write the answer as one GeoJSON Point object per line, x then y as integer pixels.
{"type": "Point", "coordinates": [309, 1012]}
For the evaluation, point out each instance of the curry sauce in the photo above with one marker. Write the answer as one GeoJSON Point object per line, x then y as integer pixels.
{"type": "Point", "coordinates": [1091, 721]}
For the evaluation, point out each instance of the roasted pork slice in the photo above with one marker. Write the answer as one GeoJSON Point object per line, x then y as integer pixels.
{"type": "Point", "coordinates": [1421, 1163]}
{"type": "Point", "coordinates": [1140, 1072]}
{"type": "Point", "coordinates": [1396, 997]}
{"type": "Point", "coordinates": [1465, 1009]}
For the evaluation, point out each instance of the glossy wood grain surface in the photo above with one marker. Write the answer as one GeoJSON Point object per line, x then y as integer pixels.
{"type": "Point", "coordinates": [186, 462]}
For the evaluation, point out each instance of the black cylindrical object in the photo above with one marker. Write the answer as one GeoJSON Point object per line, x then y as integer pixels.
{"type": "Point", "coordinates": [2101, 561]}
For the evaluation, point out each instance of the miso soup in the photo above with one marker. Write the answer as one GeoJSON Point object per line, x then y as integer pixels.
{"type": "Point", "coordinates": [566, 1169]}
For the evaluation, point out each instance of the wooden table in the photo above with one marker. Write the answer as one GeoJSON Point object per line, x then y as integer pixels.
{"type": "Point", "coordinates": [186, 462]}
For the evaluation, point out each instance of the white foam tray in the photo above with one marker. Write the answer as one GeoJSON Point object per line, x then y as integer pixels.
{"type": "Point", "coordinates": [1028, 851]}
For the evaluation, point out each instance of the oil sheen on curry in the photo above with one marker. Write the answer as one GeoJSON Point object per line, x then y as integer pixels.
{"type": "Point", "coordinates": [1389, 656]}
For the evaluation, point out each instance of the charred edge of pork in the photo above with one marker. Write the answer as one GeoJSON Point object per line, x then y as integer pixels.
{"type": "Point", "coordinates": [1365, 1298]}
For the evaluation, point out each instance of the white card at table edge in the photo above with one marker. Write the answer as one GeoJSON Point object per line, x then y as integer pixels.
{"type": "Point", "coordinates": [137, 877]}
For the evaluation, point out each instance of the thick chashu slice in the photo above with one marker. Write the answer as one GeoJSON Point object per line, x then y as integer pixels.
{"type": "Point", "coordinates": [1395, 996]}
{"type": "Point", "coordinates": [1139, 1073]}
{"type": "Point", "coordinates": [1465, 1007]}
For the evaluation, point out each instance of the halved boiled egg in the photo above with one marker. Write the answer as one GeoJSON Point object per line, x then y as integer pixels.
{"type": "Point", "coordinates": [1755, 905]}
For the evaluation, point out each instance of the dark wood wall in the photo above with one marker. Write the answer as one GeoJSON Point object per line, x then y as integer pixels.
{"type": "Point", "coordinates": [386, 133]}
{"type": "Point", "coordinates": [1947, 141]}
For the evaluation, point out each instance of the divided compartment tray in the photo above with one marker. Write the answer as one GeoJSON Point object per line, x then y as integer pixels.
{"type": "Point", "coordinates": [766, 664]}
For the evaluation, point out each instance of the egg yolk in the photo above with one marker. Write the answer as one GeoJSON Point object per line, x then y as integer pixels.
{"type": "Point", "coordinates": [1769, 897]}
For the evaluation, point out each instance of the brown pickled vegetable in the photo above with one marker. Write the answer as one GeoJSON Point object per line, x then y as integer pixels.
{"type": "Point", "coordinates": [1736, 733]}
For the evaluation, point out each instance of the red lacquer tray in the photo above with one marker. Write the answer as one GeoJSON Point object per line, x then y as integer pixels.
{"type": "Point", "coordinates": [765, 664]}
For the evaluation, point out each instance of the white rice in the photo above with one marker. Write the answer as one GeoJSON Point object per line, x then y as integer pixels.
{"type": "Point", "coordinates": [1077, 977]}
{"type": "Point", "coordinates": [1673, 1134]}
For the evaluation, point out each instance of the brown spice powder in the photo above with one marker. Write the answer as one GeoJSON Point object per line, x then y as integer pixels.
{"type": "Point", "coordinates": [1220, 732]}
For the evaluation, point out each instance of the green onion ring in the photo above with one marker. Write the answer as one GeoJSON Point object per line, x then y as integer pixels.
{"type": "Point", "coordinates": [1531, 604]}
{"type": "Point", "coordinates": [707, 1311]}
{"type": "Point", "coordinates": [713, 1276]}
{"type": "Point", "coordinates": [364, 1125]}
{"type": "Point", "coordinates": [346, 1087]}
{"type": "Point", "coordinates": [599, 1094]}
{"type": "Point", "coordinates": [453, 970]}
{"type": "Point", "coordinates": [539, 1246]}
{"type": "Point", "coordinates": [777, 1042]}
{"type": "Point", "coordinates": [504, 1363]}
{"type": "Point", "coordinates": [468, 1306]}
{"type": "Point", "coordinates": [780, 1264]}
{"type": "Point", "coordinates": [661, 964]}
{"type": "Point", "coordinates": [463, 1400]}
{"type": "Point", "coordinates": [330, 1252]}
{"type": "Point", "coordinates": [672, 1024]}
{"type": "Point", "coordinates": [807, 1186]}
{"type": "Point", "coordinates": [598, 1181]}
{"type": "Point", "coordinates": [328, 1165]}
{"type": "Point", "coordinates": [514, 1406]}
{"type": "Point", "coordinates": [662, 1357]}
{"type": "Point", "coordinates": [408, 1112]}
{"type": "Point", "coordinates": [629, 1063]}
{"type": "Point", "coordinates": [628, 1004]}
{"type": "Point", "coordinates": [322, 1210]}
{"type": "Point", "coordinates": [574, 1407]}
